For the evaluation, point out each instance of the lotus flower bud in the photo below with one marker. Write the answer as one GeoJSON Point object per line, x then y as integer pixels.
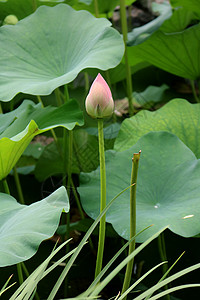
{"type": "Point", "coordinates": [99, 102]}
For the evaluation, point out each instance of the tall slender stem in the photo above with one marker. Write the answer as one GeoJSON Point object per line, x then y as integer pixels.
{"type": "Point", "coordinates": [163, 256]}
{"type": "Point", "coordinates": [58, 97]}
{"type": "Point", "coordinates": [80, 210]}
{"type": "Point", "coordinates": [102, 225]}
{"type": "Point", "coordinates": [34, 2]}
{"type": "Point", "coordinates": [67, 164]}
{"type": "Point", "coordinates": [134, 173]}
{"type": "Point", "coordinates": [127, 66]}
{"type": "Point", "coordinates": [5, 186]}
{"type": "Point", "coordinates": [194, 91]}
{"type": "Point", "coordinates": [96, 8]}
{"type": "Point", "coordinates": [52, 130]}
{"type": "Point", "coordinates": [20, 274]}
{"type": "Point", "coordinates": [40, 100]}
{"type": "Point", "coordinates": [1, 110]}
{"type": "Point", "coordinates": [18, 185]}
{"type": "Point", "coordinates": [86, 77]}
{"type": "Point", "coordinates": [77, 200]}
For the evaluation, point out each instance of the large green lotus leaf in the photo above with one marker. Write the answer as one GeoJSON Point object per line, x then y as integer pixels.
{"type": "Point", "coordinates": [179, 21]}
{"type": "Point", "coordinates": [178, 117]}
{"type": "Point", "coordinates": [34, 120]}
{"type": "Point", "coordinates": [168, 189]}
{"type": "Point", "coordinates": [36, 58]}
{"type": "Point", "coordinates": [176, 53]}
{"type": "Point", "coordinates": [23, 227]}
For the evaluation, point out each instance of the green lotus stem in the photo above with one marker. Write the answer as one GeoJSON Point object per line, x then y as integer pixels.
{"type": "Point", "coordinates": [194, 91]}
{"type": "Point", "coordinates": [163, 256]}
{"type": "Point", "coordinates": [77, 200]}
{"type": "Point", "coordinates": [67, 159]}
{"type": "Point", "coordinates": [5, 186]}
{"type": "Point", "coordinates": [102, 225]}
{"type": "Point", "coordinates": [58, 98]}
{"type": "Point", "coordinates": [107, 75]}
{"type": "Point", "coordinates": [134, 174]}
{"type": "Point", "coordinates": [96, 8]}
{"type": "Point", "coordinates": [70, 155]}
{"type": "Point", "coordinates": [34, 2]}
{"type": "Point", "coordinates": [40, 100]}
{"type": "Point", "coordinates": [127, 66]}
{"type": "Point", "coordinates": [18, 185]}
{"type": "Point", "coordinates": [20, 274]}
{"type": "Point", "coordinates": [86, 77]}
{"type": "Point", "coordinates": [52, 130]}
{"type": "Point", "coordinates": [1, 110]}
{"type": "Point", "coordinates": [80, 211]}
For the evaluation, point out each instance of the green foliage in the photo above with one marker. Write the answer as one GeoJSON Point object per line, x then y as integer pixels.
{"type": "Point", "coordinates": [177, 53]}
{"type": "Point", "coordinates": [47, 57]}
{"type": "Point", "coordinates": [150, 96]}
{"type": "Point", "coordinates": [180, 20]}
{"type": "Point", "coordinates": [189, 5]}
{"type": "Point", "coordinates": [84, 145]}
{"type": "Point", "coordinates": [31, 121]}
{"type": "Point", "coordinates": [24, 227]}
{"type": "Point", "coordinates": [178, 117]}
{"type": "Point", "coordinates": [163, 198]}
{"type": "Point", "coordinates": [57, 40]}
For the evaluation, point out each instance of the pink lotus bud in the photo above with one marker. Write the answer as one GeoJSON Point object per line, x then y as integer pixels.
{"type": "Point", "coordinates": [99, 102]}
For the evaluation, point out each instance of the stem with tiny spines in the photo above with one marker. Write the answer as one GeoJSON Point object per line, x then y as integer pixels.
{"type": "Point", "coordinates": [20, 274]}
{"type": "Point", "coordinates": [18, 185]}
{"type": "Point", "coordinates": [163, 256]}
{"type": "Point", "coordinates": [134, 174]}
{"type": "Point", "coordinates": [86, 77]}
{"type": "Point", "coordinates": [127, 66]}
{"type": "Point", "coordinates": [96, 8]}
{"type": "Point", "coordinates": [194, 91]}
{"type": "Point", "coordinates": [6, 187]}
{"type": "Point", "coordinates": [58, 97]}
{"type": "Point", "coordinates": [102, 225]}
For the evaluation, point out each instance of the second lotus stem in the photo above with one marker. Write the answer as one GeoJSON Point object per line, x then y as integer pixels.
{"type": "Point", "coordinates": [134, 174]}
{"type": "Point", "coordinates": [127, 66]}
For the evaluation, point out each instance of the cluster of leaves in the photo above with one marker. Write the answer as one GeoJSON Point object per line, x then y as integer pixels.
{"type": "Point", "coordinates": [45, 51]}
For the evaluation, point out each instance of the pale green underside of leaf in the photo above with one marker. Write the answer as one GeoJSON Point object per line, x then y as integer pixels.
{"type": "Point", "coordinates": [167, 190]}
{"type": "Point", "coordinates": [24, 227]}
{"type": "Point", "coordinates": [178, 117]}
{"type": "Point", "coordinates": [38, 56]}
